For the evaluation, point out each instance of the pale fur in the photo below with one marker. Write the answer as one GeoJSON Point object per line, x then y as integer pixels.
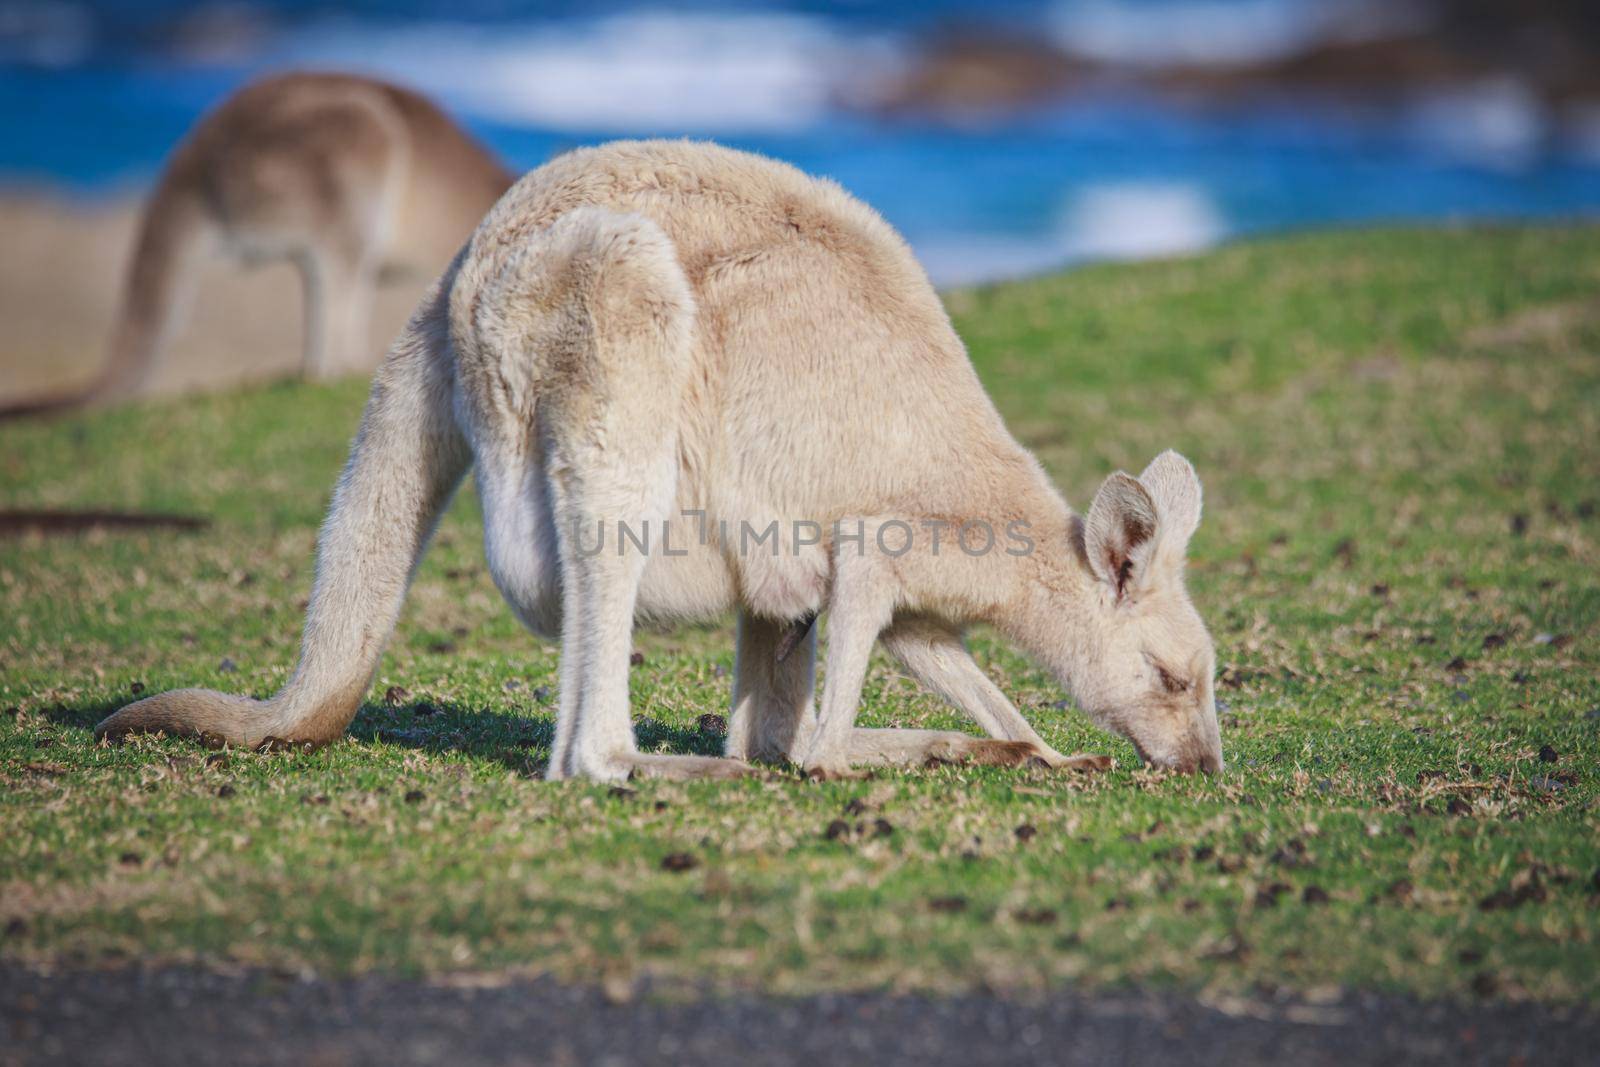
{"type": "Point", "coordinates": [645, 329]}
{"type": "Point", "coordinates": [349, 178]}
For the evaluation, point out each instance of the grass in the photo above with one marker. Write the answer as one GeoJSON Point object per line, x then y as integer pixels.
{"type": "Point", "coordinates": [1400, 437]}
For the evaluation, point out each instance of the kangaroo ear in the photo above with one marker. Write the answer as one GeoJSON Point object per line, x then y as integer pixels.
{"type": "Point", "coordinates": [1120, 531]}
{"type": "Point", "coordinates": [1175, 488]}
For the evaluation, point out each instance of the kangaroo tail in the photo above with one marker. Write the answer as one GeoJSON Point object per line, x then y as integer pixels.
{"type": "Point", "coordinates": [49, 404]}
{"type": "Point", "coordinates": [405, 464]}
{"type": "Point", "coordinates": [173, 233]}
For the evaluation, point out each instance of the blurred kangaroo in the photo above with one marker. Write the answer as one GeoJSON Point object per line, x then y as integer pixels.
{"type": "Point", "coordinates": [350, 178]}
{"type": "Point", "coordinates": [646, 334]}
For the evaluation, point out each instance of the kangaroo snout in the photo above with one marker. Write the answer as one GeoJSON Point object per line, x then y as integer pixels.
{"type": "Point", "coordinates": [1207, 762]}
{"type": "Point", "coordinates": [1185, 758]}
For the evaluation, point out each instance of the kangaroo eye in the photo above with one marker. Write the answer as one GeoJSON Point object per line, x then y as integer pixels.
{"type": "Point", "coordinates": [1171, 682]}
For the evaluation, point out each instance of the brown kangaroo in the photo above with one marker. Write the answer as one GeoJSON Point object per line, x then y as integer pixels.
{"type": "Point", "coordinates": [352, 179]}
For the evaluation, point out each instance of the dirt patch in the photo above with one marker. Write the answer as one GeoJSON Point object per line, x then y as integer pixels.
{"type": "Point", "coordinates": [56, 523]}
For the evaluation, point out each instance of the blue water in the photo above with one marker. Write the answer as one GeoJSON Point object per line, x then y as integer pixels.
{"type": "Point", "coordinates": [94, 102]}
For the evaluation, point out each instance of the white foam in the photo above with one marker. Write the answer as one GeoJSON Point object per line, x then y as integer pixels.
{"type": "Point", "coordinates": [1139, 220]}
{"type": "Point", "coordinates": [636, 72]}
{"type": "Point", "coordinates": [1110, 221]}
{"type": "Point", "coordinates": [1498, 123]}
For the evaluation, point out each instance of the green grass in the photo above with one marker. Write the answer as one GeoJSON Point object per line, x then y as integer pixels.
{"type": "Point", "coordinates": [1400, 437]}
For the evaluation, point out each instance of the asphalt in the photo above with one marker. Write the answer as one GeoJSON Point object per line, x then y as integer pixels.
{"type": "Point", "coordinates": [181, 1016]}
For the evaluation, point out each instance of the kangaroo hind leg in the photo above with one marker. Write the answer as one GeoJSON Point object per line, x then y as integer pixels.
{"type": "Point", "coordinates": [353, 179]}
{"type": "Point", "coordinates": [581, 356]}
{"type": "Point", "coordinates": [774, 675]}
{"type": "Point", "coordinates": [338, 281]}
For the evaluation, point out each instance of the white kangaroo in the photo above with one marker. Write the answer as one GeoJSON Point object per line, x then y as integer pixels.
{"type": "Point", "coordinates": [348, 177]}
{"type": "Point", "coordinates": [645, 331]}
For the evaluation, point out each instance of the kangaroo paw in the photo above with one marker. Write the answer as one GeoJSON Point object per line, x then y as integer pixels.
{"type": "Point", "coordinates": [1084, 762]}
{"type": "Point", "coordinates": [688, 768]}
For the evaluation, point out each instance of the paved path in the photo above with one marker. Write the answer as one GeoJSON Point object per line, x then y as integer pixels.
{"type": "Point", "coordinates": [186, 1016]}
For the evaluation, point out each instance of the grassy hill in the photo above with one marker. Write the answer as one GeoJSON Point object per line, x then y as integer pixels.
{"type": "Point", "coordinates": [1399, 433]}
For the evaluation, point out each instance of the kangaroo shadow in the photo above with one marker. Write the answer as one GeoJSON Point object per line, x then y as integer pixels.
{"type": "Point", "coordinates": [83, 716]}
{"type": "Point", "coordinates": [517, 741]}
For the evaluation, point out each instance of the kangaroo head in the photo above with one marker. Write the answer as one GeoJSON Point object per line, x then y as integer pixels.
{"type": "Point", "coordinates": [1149, 674]}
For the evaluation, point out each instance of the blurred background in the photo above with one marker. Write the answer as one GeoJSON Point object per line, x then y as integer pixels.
{"type": "Point", "coordinates": [1002, 137]}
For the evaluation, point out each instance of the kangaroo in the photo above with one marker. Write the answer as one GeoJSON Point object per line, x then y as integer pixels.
{"type": "Point", "coordinates": [348, 177]}
{"type": "Point", "coordinates": [647, 331]}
